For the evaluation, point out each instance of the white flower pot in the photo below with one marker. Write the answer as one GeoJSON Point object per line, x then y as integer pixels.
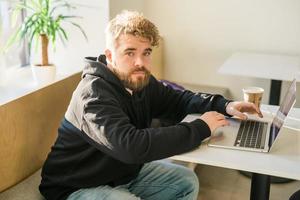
{"type": "Point", "coordinates": [43, 75]}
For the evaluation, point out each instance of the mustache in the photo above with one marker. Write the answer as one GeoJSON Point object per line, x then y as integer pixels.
{"type": "Point", "coordinates": [141, 69]}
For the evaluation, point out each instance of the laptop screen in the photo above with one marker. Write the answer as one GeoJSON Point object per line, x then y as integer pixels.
{"type": "Point", "coordinates": [286, 105]}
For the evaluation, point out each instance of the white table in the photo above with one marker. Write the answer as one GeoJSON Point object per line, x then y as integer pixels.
{"type": "Point", "coordinates": [283, 160]}
{"type": "Point", "coordinates": [277, 68]}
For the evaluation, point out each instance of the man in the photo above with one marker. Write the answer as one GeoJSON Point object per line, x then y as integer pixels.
{"type": "Point", "coordinates": [106, 148]}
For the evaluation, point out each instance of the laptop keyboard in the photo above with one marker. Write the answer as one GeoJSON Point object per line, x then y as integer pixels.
{"type": "Point", "coordinates": [251, 134]}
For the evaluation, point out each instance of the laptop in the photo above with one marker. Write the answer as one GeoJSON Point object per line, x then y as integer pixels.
{"type": "Point", "coordinates": [253, 134]}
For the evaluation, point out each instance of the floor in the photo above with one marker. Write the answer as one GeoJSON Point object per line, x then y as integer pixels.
{"type": "Point", "coordinates": [226, 184]}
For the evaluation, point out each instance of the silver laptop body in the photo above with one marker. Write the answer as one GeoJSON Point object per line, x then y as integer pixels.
{"type": "Point", "coordinates": [253, 134]}
{"type": "Point", "coordinates": [229, 136]}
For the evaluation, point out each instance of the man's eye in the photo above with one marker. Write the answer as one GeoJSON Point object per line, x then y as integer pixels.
{"type": "Point", "coordinates": [147, 53]}
{"type": "Point", "coordinates": [130, 53]}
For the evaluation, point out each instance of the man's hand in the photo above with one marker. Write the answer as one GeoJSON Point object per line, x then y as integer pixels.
{"type": "Point", "coordinates": [237, 108]}
{"type": "Point", "coordinates": [214, 120]}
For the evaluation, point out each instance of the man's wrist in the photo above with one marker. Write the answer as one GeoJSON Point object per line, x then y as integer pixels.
{"type": "Point", "coordinates": [226, 104]}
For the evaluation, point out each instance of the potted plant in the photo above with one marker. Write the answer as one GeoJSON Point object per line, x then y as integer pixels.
{"type": "Point", "coordinates": [43, 24]}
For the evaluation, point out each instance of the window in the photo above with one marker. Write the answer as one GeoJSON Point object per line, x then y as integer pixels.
{"type": "Point", "coordinates": [17, 55]}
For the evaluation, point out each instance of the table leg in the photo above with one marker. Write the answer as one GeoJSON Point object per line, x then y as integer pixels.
{"type": "Point", "coordinates": [260, 187]}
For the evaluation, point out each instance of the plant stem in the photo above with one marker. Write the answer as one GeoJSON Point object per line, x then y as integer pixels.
{"type": "Point", "coordinates": [45, 42]}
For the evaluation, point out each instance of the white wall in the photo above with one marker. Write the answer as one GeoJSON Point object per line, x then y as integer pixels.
{"type": "Point", "coordinates": [95, 15]}
{"type": "Point", "coordinates": [116, 6]}
{"type": "Point", "coordinates": [200, 34]}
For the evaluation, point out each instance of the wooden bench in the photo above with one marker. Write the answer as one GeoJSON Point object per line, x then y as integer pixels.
{"type": "Point", "coordinates": [28, 130]}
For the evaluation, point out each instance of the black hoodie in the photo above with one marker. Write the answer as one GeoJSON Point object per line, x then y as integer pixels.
{"type": "Point", "coordinates": [105, 137]}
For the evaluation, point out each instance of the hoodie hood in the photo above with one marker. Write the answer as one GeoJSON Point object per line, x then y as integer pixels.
{"type": "Point", "coordinates": [97, 66]}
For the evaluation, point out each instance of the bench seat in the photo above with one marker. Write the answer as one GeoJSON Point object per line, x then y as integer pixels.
{"type": "Point", "coordinates": [25, 190]}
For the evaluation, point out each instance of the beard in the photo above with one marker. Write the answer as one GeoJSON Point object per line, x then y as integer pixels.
{"type": "Point", "coordinates": [135, 85]}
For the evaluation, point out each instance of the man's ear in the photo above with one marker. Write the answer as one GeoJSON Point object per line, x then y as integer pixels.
{"type": "Point", "coordinates": [108, 55]}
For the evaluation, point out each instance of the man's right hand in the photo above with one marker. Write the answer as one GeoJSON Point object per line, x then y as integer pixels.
{"type": "Point", "coordinates": [214, 120]}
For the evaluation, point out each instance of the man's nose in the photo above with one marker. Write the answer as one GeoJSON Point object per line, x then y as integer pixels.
{"type": "Point", "coordinates": [139, 62]}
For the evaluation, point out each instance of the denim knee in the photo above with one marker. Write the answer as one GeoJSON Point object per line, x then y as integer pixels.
{"type": "Point", "coordinates": [189, 184]}
{"type": "Point", "coordinates": [193, 181]}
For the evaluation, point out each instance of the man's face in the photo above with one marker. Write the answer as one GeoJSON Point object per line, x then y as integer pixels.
{"type": "Point", "coordinates": [131, 60]}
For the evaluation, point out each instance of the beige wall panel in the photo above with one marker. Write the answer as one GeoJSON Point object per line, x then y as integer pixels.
{"type": "Point", "coordinates": [157, 61]}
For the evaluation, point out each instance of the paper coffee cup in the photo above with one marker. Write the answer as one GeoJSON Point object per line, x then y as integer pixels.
{"type": "Point", "coordinates": [253, 95]}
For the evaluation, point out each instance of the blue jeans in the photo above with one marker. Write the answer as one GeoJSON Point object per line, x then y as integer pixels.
{"type": "Point", "coordinates": [158, 180]}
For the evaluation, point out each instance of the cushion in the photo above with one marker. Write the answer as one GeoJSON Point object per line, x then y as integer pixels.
{"type": "Point", "coordinates": [28, 189]}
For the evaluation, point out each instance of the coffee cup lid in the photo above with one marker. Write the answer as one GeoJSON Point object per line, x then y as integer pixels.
{"type": "Point", "coordinates": [253, 90]}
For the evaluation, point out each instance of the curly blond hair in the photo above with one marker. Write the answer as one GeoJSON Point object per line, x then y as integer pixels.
{"type": "Point", "coordinates": [134, 23]}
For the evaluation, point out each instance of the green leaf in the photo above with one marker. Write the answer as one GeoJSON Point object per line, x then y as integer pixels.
{"type": "Point", "coordinates": [36, 41]}
{"type": "Point", "coordinates": [81, 30]}
{"type": "Point", "coordinates": [63, 32]}
{"type": "Point", "coordinates": [31, 37]}
{"type": "Point", "coordinates": [64, 17]}
{"type": "Point", "coordinates": [34, 5]}
{"type": "Point", "coordinates": [62, 39]}
{"type": "Point", "coordinates": [15, 37]}
{"type": "Point", "coordinates": [62, 4]}
{"type": "Point", "coordinates": [23, 6]}
{"type": "Point", "coordinates": [27, 25]}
